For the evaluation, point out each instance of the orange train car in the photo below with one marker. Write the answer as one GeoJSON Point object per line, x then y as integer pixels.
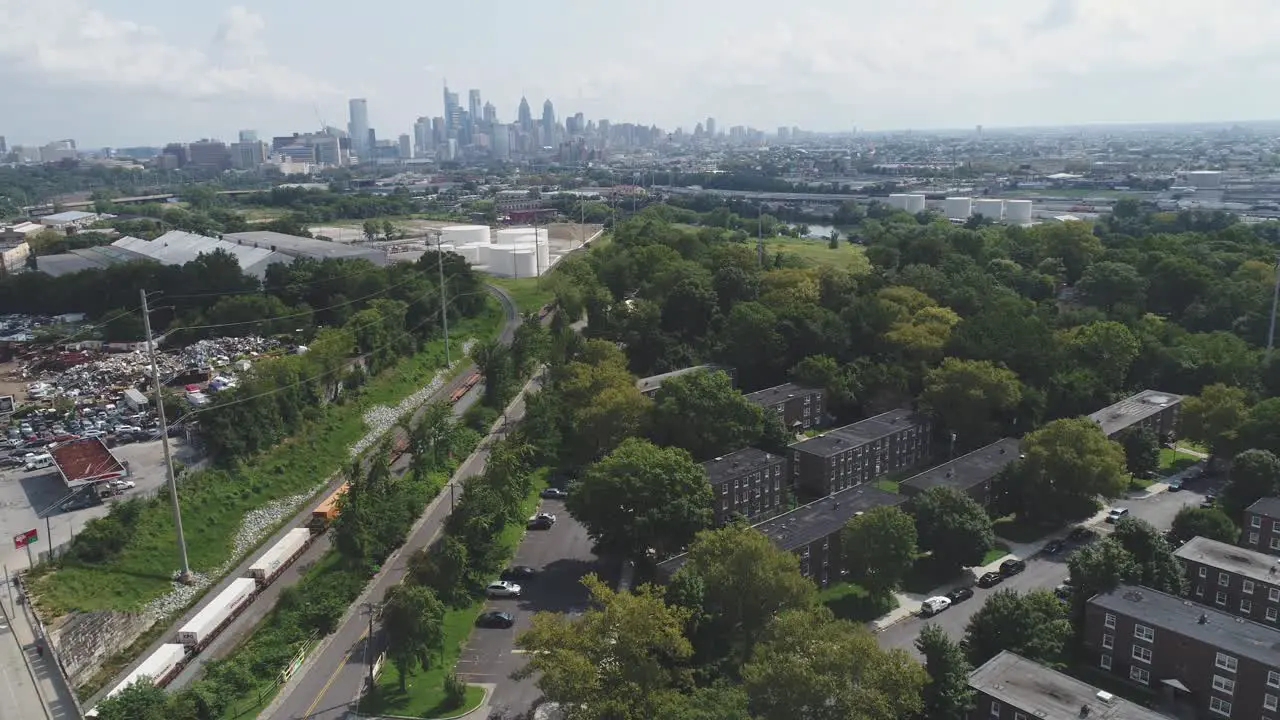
{"type": "Point", "coordinates": [327, 510]}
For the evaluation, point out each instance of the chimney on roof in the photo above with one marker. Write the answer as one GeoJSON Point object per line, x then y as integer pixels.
{"type": "Point", "coordinates": [1084, 711]}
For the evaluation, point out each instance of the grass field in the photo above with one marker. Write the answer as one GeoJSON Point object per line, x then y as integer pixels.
{"type": "Point", "coordinates": [214, 503]}
{"type": "Point", "coordinates": [887, 485]}
{"type": "Point", "coordinates": [848, 256]}
{"type": "Point", "coordinates": [427, 686]}
{"type": "Point", "coordinates": [529, 293]}
{"type": "Point", "coordinates": [1173, 462]}
{"type": "Point", "coordinates": [849, 601]}
{"type": "Point", "coordinates": [995, 553]}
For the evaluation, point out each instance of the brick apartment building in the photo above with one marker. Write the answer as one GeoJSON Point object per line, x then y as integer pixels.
{"type": "Point", "coordinates": [1150, 409]}
{"type": "Point", "coordinates": [864, 451]}
{"type": "Point", "coordinates": [970, 474]}
{"type": "Point", "coordinates": [1199, 658]}
{"type": "Point", "coordinates": [1233, 579]}
{"type": "Point", "coordinates": [1011, 687]}
{"type": "Point", "coordinates": [750, 483]}
{"type": "Point", "coordinates": [1262, 526]}
{"type": "Point", "coordinates": [800, 408]}
{"type": "Point", "coordinates": [813, 531]}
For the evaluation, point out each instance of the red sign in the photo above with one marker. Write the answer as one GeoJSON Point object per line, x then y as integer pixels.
{"type": "Point", "coordinates": [24, 539]}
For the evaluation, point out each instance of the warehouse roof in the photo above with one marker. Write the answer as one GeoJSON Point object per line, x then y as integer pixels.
{"type": "Point", "coordinates": [69, 216]}
{"type": "Point", "coordinates": [85, 461]}
{"type": "Point", "coordinates": [179, 248]}
{"type": "Point", "coordinates": [296, 246]}
{"type": "Point", "coordinates": [968, 470]}
{"type": "Point", "coordinates": [85, 259]}
{"type": "Point", "coordinates": [1133, 410]}
{"type": "Point", "coordinates": [1048, 694]}
{"type": "Point", "coordinates": [857, 434]}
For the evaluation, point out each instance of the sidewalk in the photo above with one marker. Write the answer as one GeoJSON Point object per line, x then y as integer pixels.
{"type": "Point", "coordinates": [50, 683]}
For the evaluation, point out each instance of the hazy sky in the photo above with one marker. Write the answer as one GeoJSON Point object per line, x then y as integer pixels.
{"type": "Point", "coordinates": [124, 72]}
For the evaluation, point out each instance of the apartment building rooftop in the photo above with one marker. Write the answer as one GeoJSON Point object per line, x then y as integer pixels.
{"type": "Point", "coordinates": [1269, 506]}
{"type": "Point", "coordinates": [968, 470]}
{"type": "Point", "coordinates": [779, 393]}
{"type": "Point", "coordinates": [653, 382]}
{"type": "Point", "coordinates": [1133, 410]}
{"type": "Point", "coordinates": [727, 467]}
{"type": "Point", "coordinates": [1049, 694]}
{"type": "Point", "coordinates": [1231, 634]}
{"type": "Point", "coordinates": [859, 433]}
{"type": "Point", "coordinates": [1244, 562]}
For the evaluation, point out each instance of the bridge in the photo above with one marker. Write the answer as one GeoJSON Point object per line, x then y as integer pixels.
{"type": "Point", "coordinates": [48, 208]}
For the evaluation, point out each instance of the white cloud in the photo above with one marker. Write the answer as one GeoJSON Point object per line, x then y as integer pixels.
{"type": "Point", "coordinates": [69, 43]}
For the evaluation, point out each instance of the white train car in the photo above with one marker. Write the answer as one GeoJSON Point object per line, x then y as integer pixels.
{"type": "Point", "coordinates": [280, 556]}
{"type": "Point", "coordinates": [215, 616]}
{"type": "Point", "coordinates": [159, 668]}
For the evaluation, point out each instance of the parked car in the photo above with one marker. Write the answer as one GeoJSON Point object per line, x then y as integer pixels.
{"type": "Point", "coordinates": [990, 579]}
{"type": "Point", "coordinates": [1210, 501]}
{"type": "Point", "coordinates": [1175, 484]}
{"type": "Point", "coordinates": [541, 521]}
{"type": "Point", "coordinates": [1053, 547]}
{"type": "Point", "coordinates": [1114, 514]}
{"type": "Point", "coordinates": [502, 589]}
{"type": "Point", "coordinates": [554, 494]}
{"type": "Point", "coordinates": [934, 605]}
{"type": "Point", "coordinates": [1012, 567]}
{"type": "Point", "coordinates": [959, 595]}
{"type": "Point", "coordinates": [518, 572]}
{"type": "Point", "coordinates": [1063, 592]}
{"type": "Point", "coordinates": [495, 619]}
{"type": "Point", "coordinates": [122, 484]}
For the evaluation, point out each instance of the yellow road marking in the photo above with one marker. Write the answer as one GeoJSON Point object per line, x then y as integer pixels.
{"type": "Point", "coordinates": [341, 664]}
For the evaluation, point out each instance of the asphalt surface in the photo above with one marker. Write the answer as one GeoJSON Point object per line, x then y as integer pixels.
{"type": "Point", "coordinates": [562, 556]}
{"type": "Point", "coordinates": [1044, 572]}
{"type": "Point", "coordinates": [18, 694]}
{"type": "Point", "coordinates": [244, 624]}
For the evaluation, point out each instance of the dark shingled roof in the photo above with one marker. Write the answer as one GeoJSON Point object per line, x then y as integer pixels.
{"type": "Point", "coordinates": [1230, 634]}
{"type": "Point", "coordinates": [735, 464]}
{"type": "Point", "coordinates": [780, 393]}
{"type": "Point", "coordinates": [1269, 506]}
{"type": "Point", "coordinates": [857, 434]}
{"type": "Point", "coordinates": [968, 470]}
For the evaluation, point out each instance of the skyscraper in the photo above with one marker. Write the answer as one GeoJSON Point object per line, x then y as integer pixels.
{"type": "Point", "coordinates": [451, 110]}
{"type": "Point", "coordinates": [711, 126]}
{"type": "Point", "coordinates": [358, 128]}
{"type": "Point", "coordinates": [423, 142]}
{"type": "Point", "coordinates": [525, 116]}
{"type": "Point", "coordinates": [490, 113]}
{"type": "Point", "coordinates": [248, 136]}
{"type": "Point", "coordinates": [548, 123]}
{"type": "Point", "coordinates": [473, 105]}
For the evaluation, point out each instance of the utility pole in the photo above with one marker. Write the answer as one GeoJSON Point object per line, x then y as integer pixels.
{"type": "Point", "coordinates": [444, 307]}
{"type": "Point", "coordinates": [372, 610]}
{"type": "Point", "coordinates": [185, 577]}
{"type": "Point", "coordinates": [1275, 296]}
{"type": "Point", "coordinates": [582, 221]}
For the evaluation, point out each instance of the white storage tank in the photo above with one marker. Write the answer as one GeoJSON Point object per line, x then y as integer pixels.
{"type": "Point", "coordinates": [524, 263]}
{"type": "Point", "coordinates": [958, 208]}
{"type": "Point", "coordinates": [470, 253]}
{"type": "Point", "coordinates": [898, 200]}
{"type": "Point", "coordinates": [465, 234]}
{"type": "Point", "coordinates": [484, 256]}
{"type": "Point", "coordinates": [1017, 212]}
{"type": "Point", "coordinates": [914, 204]}
{"type": "Point", "coordinates": [499, 260]}
{"type": "Point", "coordinates": [518, 234]}
{"type": "Point", "coordinates": [989, 208]}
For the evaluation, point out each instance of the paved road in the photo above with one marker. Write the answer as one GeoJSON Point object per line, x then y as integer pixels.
{"type": "Point", "coordinates": [562, 555]}
{"type": "Point", "coordinates": [243, 625]}
{"type": "Point", "coordinates": [18, 693]}
{"type": "Point", "coordinates": [1043, 572]}
{"type": "Point", "coordinates": [333, 677]}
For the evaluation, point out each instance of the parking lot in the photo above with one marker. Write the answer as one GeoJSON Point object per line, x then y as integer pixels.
{"type": "Point", "coordinates": [24, 494]}
{"type": "Point", "coordinates": [562, 556]}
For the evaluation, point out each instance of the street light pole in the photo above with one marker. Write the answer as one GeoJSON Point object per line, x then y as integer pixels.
{"type": "Point", "coordinates": [185, 577]}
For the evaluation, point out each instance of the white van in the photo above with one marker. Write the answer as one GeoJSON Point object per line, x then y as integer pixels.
{"type": "Point", "coordinates": [934, 605]}
{"type": "Point", "coordinates": [38, 460]}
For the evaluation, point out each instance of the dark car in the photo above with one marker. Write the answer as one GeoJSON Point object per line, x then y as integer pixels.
{"type": "Point", "coordinates": [1063, 592]}
{"type": "Point", "coordinates": [495, 619]}
{"type": "Point", "coordinates": [959, 595]}
{"type": "Point", "coordinates": [554, 494]}
{"type": "Point", "coordinates": [1210, 501]}
{"type": "Point", "coordinates": [1012, 567]}
{"type": "Point", "coordinates": [1081, 534]}
{"type": "Point", "coordinates": [1053, 547]}
{"type": "Point", "coordinates": [518, 572]}
{"type": "Point", "coordinates": [990, 579]}
{"type": "Point", "coordinates": [541, 521]}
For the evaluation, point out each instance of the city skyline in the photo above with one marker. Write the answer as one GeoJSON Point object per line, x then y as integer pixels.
{"type": "Point", "coordinates": [145, 71]}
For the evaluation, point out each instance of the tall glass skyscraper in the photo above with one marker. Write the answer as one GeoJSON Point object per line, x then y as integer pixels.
{"type": "Point", "coordinates": [358, 128]}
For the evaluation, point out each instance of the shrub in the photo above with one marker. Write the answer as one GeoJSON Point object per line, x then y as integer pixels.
{"type": "Point", "coordinates": [455, 691]}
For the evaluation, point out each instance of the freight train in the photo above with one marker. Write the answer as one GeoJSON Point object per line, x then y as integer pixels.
{"type": "Point", "coordinates": [169, 659]}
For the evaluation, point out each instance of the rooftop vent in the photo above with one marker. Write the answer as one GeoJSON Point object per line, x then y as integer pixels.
{"type": "Point", "coordinates": [1084, 709]}
{"type": "Point", "coordinates": [1160, 400]}
{"type": "Point", "coordinates": [1204, 619]}
{"type": "Point", "coordinates": [1002, 451]}
{"type": "Point", "coordinates": [1105, 697]}
{"type": "Point", "coordinates": [951, 473]}
{"type": "Point", "coordinates": [1133, 596]}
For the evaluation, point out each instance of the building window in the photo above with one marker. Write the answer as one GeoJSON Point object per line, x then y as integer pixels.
{"type": "Point", "coordinates": [1255, 521]}
{"type": "Point", "coordinates": [1221, 599]}
{"type": "Point", "coordinates": [1226, 662]}
{"type": "Point", "coordinates": [1275, 526]}
{"type": "Point", "coordinates": [1023, 716]}
{"type": "Point", "coordinates": [1142, 654]}
{"type": "Point", "coordinates": [1108, 640]}
{"type": "Point", "coordinates": [1142, 632]}
{"type": "Point", "coordinates": [1109, 621]}
{"type": "Point", "coordinates": [1272, 614]}
{"type": "Point", "coordinates": [1204, 572]}
{"type": "Point", "coordinates": [1222, 707]}
{"type": "Point", "coordinates": [1246, 587]}
{"type": "Point", "coordinates": [1273, 594]}
{"type": "Point", "coordinates": [1137, 674]}
{"type": "Point", "coordinates": [1270, 702]}
{"type": "Point", "coordinates": [1199, 590]}
{"type": "Point", "coordinates": [995, 708]}
{"type": "Point", "coordinates": [1273, 679]}
{"type": "Point", "coordinates": [1224, 685]}
{"type": "Point", "coordinates": [1275, 543]}
{"type": "Point", "coordinates": [1105, 662]}
{"type": "Point", "coordinates": [1224, 579]}
{"type": "Point", "coordinates": [1253, 538]}
{"type": "Point", "coordinates": [1246, 606]}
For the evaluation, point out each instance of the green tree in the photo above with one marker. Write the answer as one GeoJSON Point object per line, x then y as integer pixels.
{"type": "Point", "coordinates": [721, 701]}
{"type": "Point", "coordinates": [824, 371]}
{"type": "Point", "coordinates": [530, 345]}
{"type": "Point", "coordinates": [878, 548]}
{"type": "Point", "coordinates": [703, 413]}
{"type": "Point", "coordinates": [139, 701]}
{"type": "Point", "coordinates": [814, 667]}
{"type": "Point", "coordinates": [1110, 285]}
{"type": "Point", "coordinates": [1153, 558]}
{"type": "Point", "coordinates": [1067, 463]}
{"type": "Point", "coordinates": [1261, 429]}
{"type": "Point", "coordinates": [1212, 523]}
{"type": "Point", "coordinates": [744, 581]}
{"type": "Point", "coordinates": [493, 360]}
{"type": "Point", "coordinates": [642, 497]}
{"type": "Point", "coordinates": [972, 398]}
{"type": "Point", "coordinates": [948, 695]}
{"type": "Point", "coordinates": [1108, 348]}
{"type": "Point", "coordinates": [371, 230]}
{"type": "Point", "coordinates": [615, 661]}
{"type": "Point", "coordinates": [1141, 451]}
{"type": "Point", "coordinates": [1255, 474]}
{"type": "Point", "coordinates": [953, 527]}
{"type": "Point", "coordinates": [414, 622]}
{"type": "Point", "coordinates": [1034, 625]}
{"type": "Point", "coordinates": [1214, 417]}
